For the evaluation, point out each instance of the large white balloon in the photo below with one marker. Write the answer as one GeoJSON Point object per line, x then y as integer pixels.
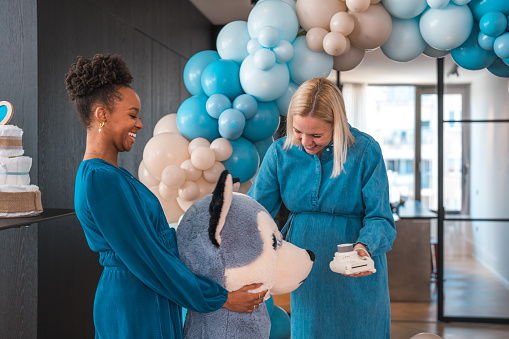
{"type": "Point", "coordinates": [167, 124]}
{"type": "Point", "coordinates": [163, 150]}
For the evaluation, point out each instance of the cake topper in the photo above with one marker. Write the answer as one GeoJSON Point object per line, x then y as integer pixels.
{"type": "Point", "coordinates": [6, 112]}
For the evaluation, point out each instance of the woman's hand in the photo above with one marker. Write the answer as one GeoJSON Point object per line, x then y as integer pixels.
{"type": "Point", "coordinates": [363, 252]}
{"type": "Point", "coordinates": [243, 301]}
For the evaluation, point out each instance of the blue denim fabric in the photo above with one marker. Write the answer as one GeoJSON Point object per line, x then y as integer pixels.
{"type": "Point", "coordinates": [353, 207]}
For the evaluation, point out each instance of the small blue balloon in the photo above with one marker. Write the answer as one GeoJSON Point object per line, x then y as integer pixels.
{"type": "Point", "coordinates": [222, 76]}
{"type": "Point", "coordinates": [264, 59]}
{"type": "Point", "coordinates": [307, 64]}
{"type": "Point", "coordinates": [194, 69]}
{"type": "Point", "coordinates": [244, 161]}
{"type": "Point", "coordinates": [246, 104]}
{"type": "Point", "coordinates": [493, 23]}
{"type": "Point", "coordinates": [481, 7]}
{"type": "Point", "coordinates": [262, 147]}
{"type": "Point", "coordinates": [216, 104]}
{"type": "Point", "coordinates": [283, 51]}
{"type": "Point", "coordinates": [193, 121]}
{"type": "Point", "coordinates": [283, 102]}
{"type": "Point", "coordinates": [486, 42]}
{"type": "Point", "coordinates": [263, 124]}
{"type": "Point", "coordinates": [280, 327]}
{"type": "Point", "coordinates": [501, 46]}
{"type": "Point", "coordinates": [232, 41]}
{"type": "Point", "coordinates": [470, 55]}
{"type": "Point", "coordinates": [253, 46]}
{"type": "Point", "coordinates": [269, 303]}
{"type": "Point", "coordinates": [499, 68]}
{"type": "Point", "coordinates": [268, 36]}
{"type": "Point", "coordinates": [231, 124]}
{"type": "Point", "coordinates": [264, 85]}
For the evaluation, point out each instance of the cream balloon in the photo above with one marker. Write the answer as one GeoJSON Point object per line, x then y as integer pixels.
{"type": "Point", "coordinates": [189, 191]}
{"type": "Point", "coordinates": [222, 148]}
{"type": "Point", "coordinates": [317, 13]}
{"type": "Point", "coordinates": [212, 174]}
{"type": "Point", "coordinates": [197, 142]}
{"type": "Point", "coordinates": [349, 60]}
{"type": "Point", "coordinates": [192, 173]}
{"type": "Point", "coordinates": [335, 43]}
{"type": "Point", "coordinates": [205, 187]}
{"type": "Point", "coordinates": [163, 150]}
{"type": "Point", "coordinates": [171, 208]}
{"type": "Point", "coordinates": [342, 22]}
{"type": "Point", "coordinates": [358, 6]}
{"type": "Point", "coordinates": [168, 193]}
{"type": "Point", "coordinates": [374, 2]}
{"type": "Point", "coordinates": [167, 124]}
{"type": "Point", "coordinates": [203, 158]}
{"type": "Point", "coordinates": [184, 205]}
{"type": "Point", "coordinates": [173, 176]}
{"type": "Point", "coordinates": [372, 28]}
{"type": "Point", "coordinates": [245, 186]}
{"type": "Point", "coordinates": [145, 177]}
{"type": "Point", "coordinates": [314, 38]}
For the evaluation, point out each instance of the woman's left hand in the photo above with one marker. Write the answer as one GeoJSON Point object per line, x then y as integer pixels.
{"type": "Point", "coordinates": [363, 252]}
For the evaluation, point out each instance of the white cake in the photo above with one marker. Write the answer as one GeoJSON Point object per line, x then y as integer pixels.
{"type": "Point", "coordinates": [17, 197]}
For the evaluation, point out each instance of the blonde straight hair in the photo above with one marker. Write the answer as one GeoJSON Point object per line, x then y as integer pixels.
{"type": "Point", "coordinates": [321, 99]}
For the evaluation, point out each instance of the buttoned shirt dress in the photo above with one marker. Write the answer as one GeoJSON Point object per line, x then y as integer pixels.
{"type": "Point", "coordinates": [350, 208]}
{"type": "Point", "coordinates": [144, 284]}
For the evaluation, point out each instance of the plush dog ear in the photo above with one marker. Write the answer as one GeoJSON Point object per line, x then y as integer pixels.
{"type": "Point", "coordinates": [219, 206]}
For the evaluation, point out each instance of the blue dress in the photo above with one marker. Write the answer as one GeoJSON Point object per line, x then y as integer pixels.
{"type": "Point", "coordinates": [350, 208]}
{"type": "Point", "coordinates": [143, 284]}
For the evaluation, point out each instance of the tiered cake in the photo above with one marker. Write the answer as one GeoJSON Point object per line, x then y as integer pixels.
{"type": "Point", "coordinates": [17, 197]}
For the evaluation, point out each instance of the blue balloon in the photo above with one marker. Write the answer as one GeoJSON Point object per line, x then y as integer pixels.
{"type": "Point", "coordinates": [499, 68]}
{"type": "Point", "coordinates": [307, 64]}
{"type": "Point", "coordinates": [481, 7]}
{"type": "Point", "coordinates": [269, 303]}
{"type": "Point", "coordinates": [472, 56]}
{"type": "Point", "coordinates": [216, 104]}
{"type": "Point", "coordinates": [276, 14]}
{"type": "Point", "coordinates": [231, 124]}
{"type": "Point", "coordinates": [244, 161]}
{"type": "Point", "coordinates": [405, 42]}
{"type": "Point", "coordinates": [506, 61]}
{"type": "Point", "coordinates": [283, 51]}
{"type": "Point", "coordinates": [264, 59]}
{"type": "Point", "coordinates": [193, 121]}
{"type": "Point", "coordinates": [222, 76]}
{"type": "Point", "coordinates": [283, 102]}
{"type": "Point", "coordinates": [253, 46]}
{"type": "Point", "coordinates": [194, 69]}
{"type": "Point", "coordinates": [268, 36]}
{"type": "Point", "coordinates": [246, 104]}
{"type": "Point", "coordinates": [263, 124]}
{"type": "Point", "coordinates": [405, 9]}
{"type": "Point", "coordinates": [493, 23]}
{"type": "Point", "coordinates": [232, 41]}
{"type": "Point", "coordinates": [280, 327]}
{"type": "Point", "coordinates": [486, 42]}
{"type": "Point", "coordinates": [262, 147]}
{"type": "Point", "coordinates": [264, 85]}
{"type": "Point", "coordinates": [501, 46]}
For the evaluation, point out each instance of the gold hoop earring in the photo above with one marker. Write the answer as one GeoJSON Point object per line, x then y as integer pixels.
{"type": "Point", "coordinates": [101, 125]}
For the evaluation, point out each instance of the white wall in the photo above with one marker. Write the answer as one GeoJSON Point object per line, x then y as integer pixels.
{"type": "Point", "coordinates": [489, 168]}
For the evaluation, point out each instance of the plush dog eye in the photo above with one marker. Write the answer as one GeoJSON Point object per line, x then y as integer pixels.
{"type": "Point", "coordinates": [274, 241]}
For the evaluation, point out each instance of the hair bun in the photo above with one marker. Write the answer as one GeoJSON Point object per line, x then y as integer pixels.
{"type": "Point", "coordinates": [86, 75]}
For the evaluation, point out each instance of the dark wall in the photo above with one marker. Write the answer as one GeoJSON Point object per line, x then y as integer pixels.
{"type": "Point", "coordinates": [18, 85]}
{"type": "Point", "coordinates": [48, 273]}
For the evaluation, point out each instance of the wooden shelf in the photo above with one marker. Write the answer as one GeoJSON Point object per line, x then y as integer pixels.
{"type": "Point", "coordinates": [47, 214]}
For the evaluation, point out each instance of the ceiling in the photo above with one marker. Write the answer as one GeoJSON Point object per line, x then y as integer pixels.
{"type": "Point", "coordinates": [375, 68]}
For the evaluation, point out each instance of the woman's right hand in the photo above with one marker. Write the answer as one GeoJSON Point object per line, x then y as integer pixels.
{"type": "Point", "coordinates": [243, 301]}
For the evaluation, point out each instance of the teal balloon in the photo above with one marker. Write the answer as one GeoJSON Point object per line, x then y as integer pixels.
{"type": "Point", "coordinates": [481, 7]}
{"type": "Point", "coordinates": [446, 28]}
{"type": "Point", "coordinates": [231, 124]}
{"type": "Point", "coordinates": [244, 161]}
{"type": "Point", "coordinates": [506, 61]}
{"type": "Point", "coordinates": [493, 23]}
{"type": "Point", "coordinates": [264, 85]}
{"type": "Point", "coordinates": [222, 77]}
{"type": "Point", "coordinates": [307, 64]}
{"type": "Point", "coordinates": [193, 121]}
{"type": "Point", "coordinates": [262, 147]}
{"type": "Point", "coordinates": [501, 46]}
{"type": "Point", "coordinates": [216, 104]}
{"type": "Point", "coordinates": [263, 124]}
{"type": "Point", "coordinates": [486, 42]}
{"type": "Point", "coordinates": [269, 303]}
{"type": "Point", "coordinates": [405, 42]}
{"type": "Point", "coordinates": [283, 102]}
{"type": "Point", "coordinates": [276, 14]}
{"type": "Point", "coordinates": [499, 68]}
{"type": "Point", "coordinates": [404, 9]}
{"type": "Point", "coordinates": [438, 4]}
{"type": "Point", "coordinates": [433, 52]}
{"type": "Point", "coordinates": [246, 104]}
{"type": "Point", "coordinates": [232, 41]}
{"type": "Point", "coordinates": [470, 55]}
{"type": "Point", "coordinates": [194, 69]}
{"type": "Point", "coordinates": [280, 327]}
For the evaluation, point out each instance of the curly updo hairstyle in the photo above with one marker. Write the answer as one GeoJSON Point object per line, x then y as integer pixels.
{"type": "Point", "coordinates": [96, 81]}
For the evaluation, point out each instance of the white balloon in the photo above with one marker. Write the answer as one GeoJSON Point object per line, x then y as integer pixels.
{"type": "Point", "coordinates": [212, 174]}
{"type": "Point", "coordinates": [358, 5]}
{"type": "Point", "coordinates": [173, 176]}
{"type": "Point", "coordinates": [145, 177]}
{"type": "Point", "coordinates": [167, 124]}
{"type": "Point", "coordinates": [189, 191]}
{"type": "Point", "coordinates": [203, 158]}
{"type": "Point", "coordinates": [314, 38]}
{"type": "Point", "coordinates": [192, 173]}
{"type": "Point", "coordinates": [335, 43]}
{"type": "Point", "coordinates": [342, 22]}
{"type": "Point", "coordinates": [197, 142]}
{"type": "Point", "coordinates": [222, 148]}
{"type": "Point", "coordinates": [168, 193]}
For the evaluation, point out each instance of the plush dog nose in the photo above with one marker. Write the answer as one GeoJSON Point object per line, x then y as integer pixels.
{"type": "Point", "coordinates": [311, 255]}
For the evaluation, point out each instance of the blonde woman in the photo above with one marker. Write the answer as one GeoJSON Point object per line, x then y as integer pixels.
{"type": "Point", "coordinates": [333, 180]}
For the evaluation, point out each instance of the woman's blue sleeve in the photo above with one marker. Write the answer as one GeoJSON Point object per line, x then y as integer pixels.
{"type": "Point", "coordinates": [265, 188]}
{"type": "Point", "coordinates": [379, 230]}
{"type": "Point", "coordinates": [124, 222]}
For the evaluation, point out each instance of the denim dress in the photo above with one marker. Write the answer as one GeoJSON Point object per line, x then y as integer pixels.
{"type": "Point", "coordinates": [144, 284]}
{"type": "Point", "coordinates": [350, 208]}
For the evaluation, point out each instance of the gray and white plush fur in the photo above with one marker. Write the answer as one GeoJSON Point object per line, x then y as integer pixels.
{"type": "Point", "coordinates": [232, 239]}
